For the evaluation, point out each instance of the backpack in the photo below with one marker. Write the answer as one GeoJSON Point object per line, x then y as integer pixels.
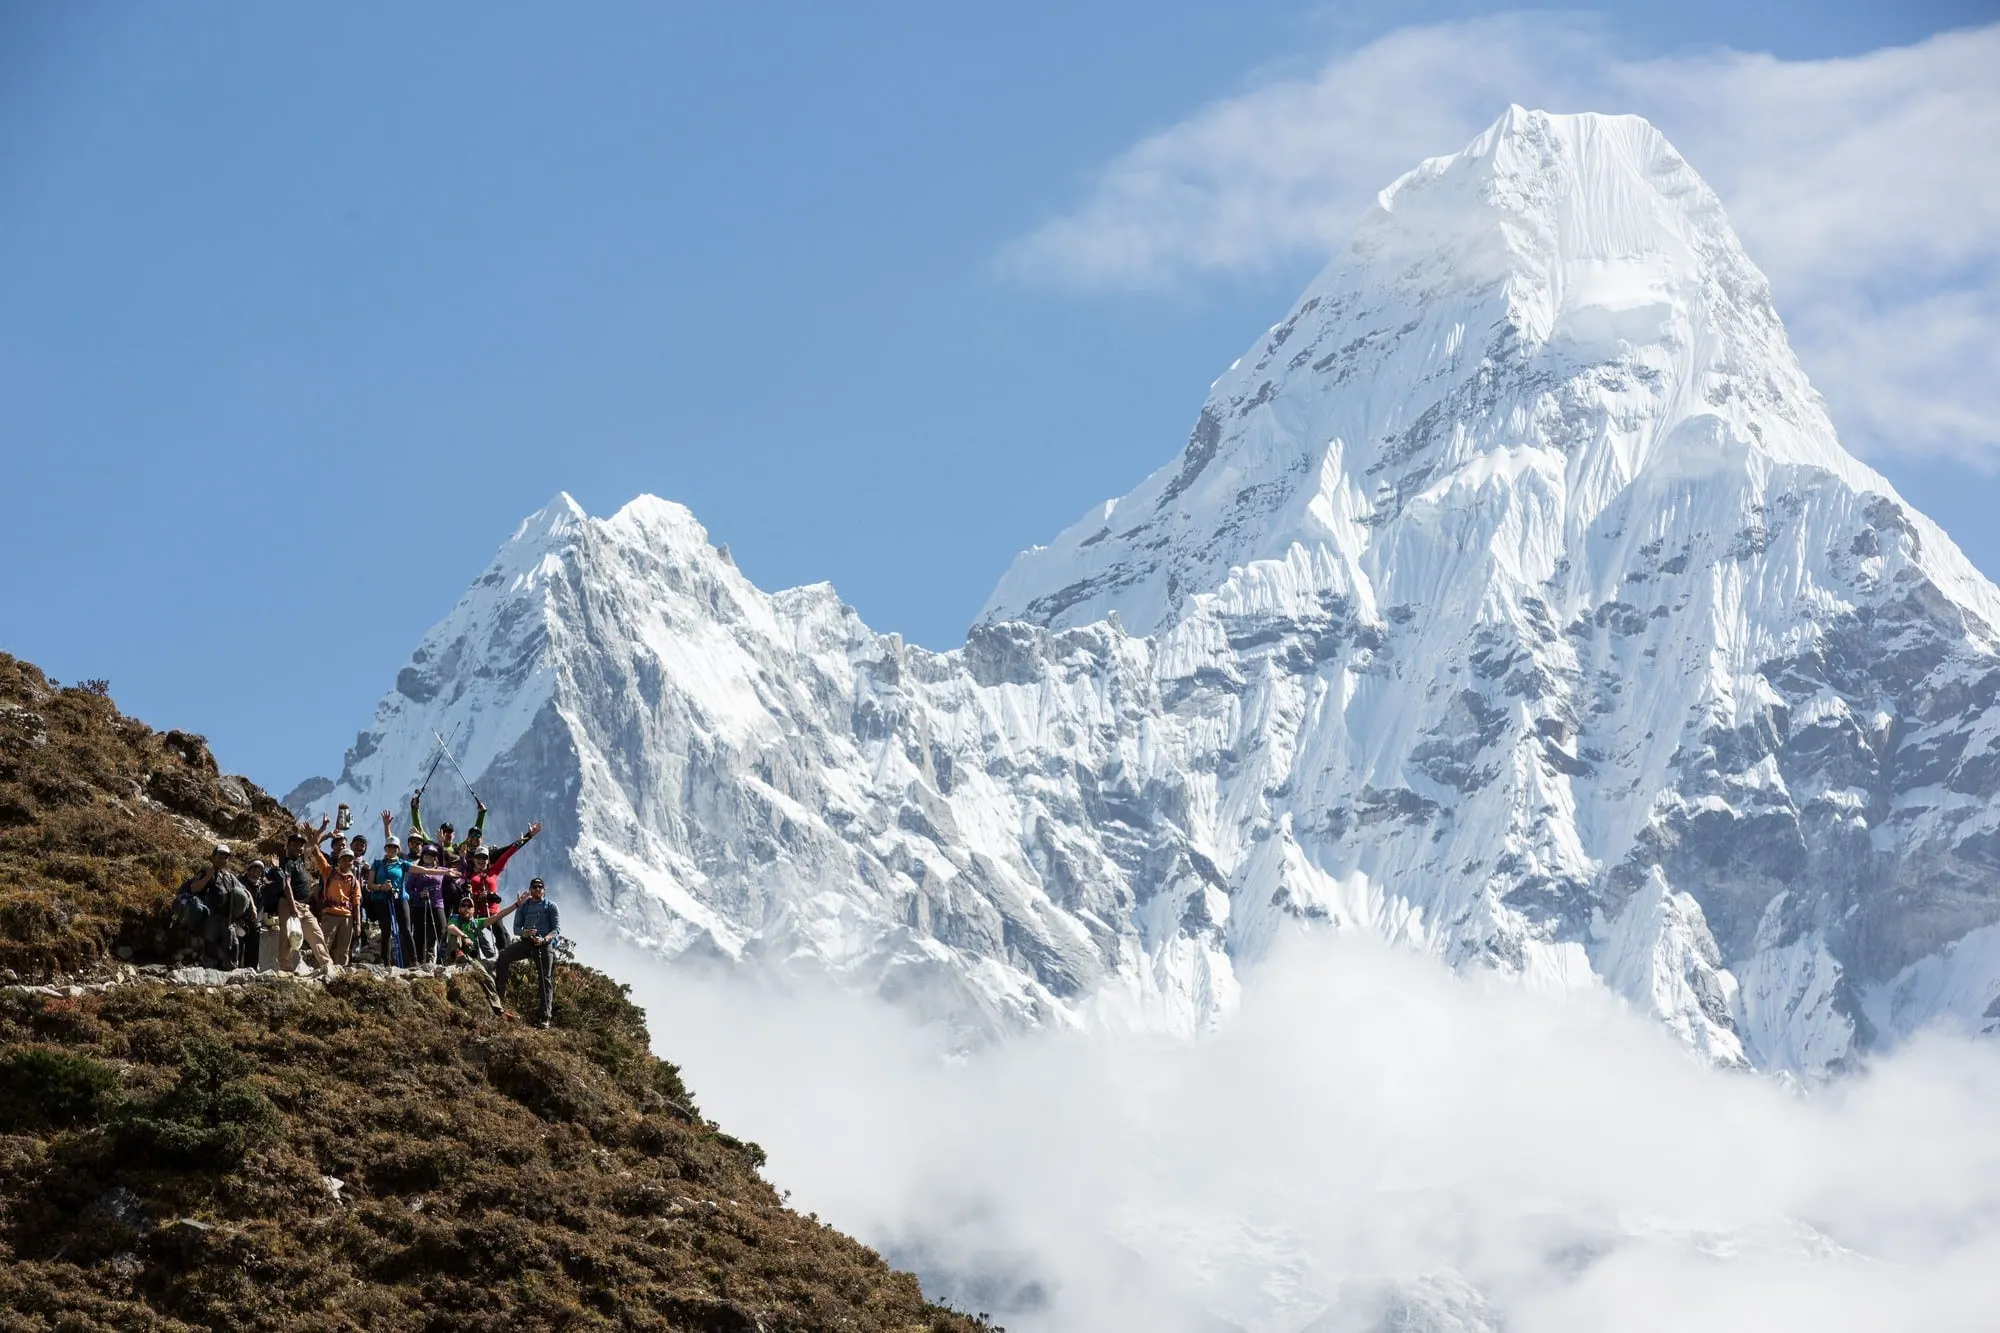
{"type": "Point", "coordinates": [194, 914]}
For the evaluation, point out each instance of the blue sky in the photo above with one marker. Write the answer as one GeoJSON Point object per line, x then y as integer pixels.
{"type": "Point", "coordinates": [301, 310]}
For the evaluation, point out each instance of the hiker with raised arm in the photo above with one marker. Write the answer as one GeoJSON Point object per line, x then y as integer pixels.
{"type": "Point", "coordinates": [340, 897]}
{"type": "Point", "coordinates": [537, 926]}
{"type": "Point", "coordinates": [293, 882]}
{"type": "Point", "coordinates": [482, 879]}
{"type": "Point", "coordinates": [387, 900]}
{"type": "Point", "coordinates": [449, 848]}
{"type": "Point", "coordinates": [468, 937]}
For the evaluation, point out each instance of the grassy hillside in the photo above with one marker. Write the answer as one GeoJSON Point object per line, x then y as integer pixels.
{"type": "Point", "coordinates": [362, 1154]}
{"type": "Point", "coordinates": [100, 818]}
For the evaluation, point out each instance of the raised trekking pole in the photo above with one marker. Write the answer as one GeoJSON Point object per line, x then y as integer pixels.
{"type": "Point", "coordinates": [443, 750]}
{"type": "Point", "coordinates": [455, 768]}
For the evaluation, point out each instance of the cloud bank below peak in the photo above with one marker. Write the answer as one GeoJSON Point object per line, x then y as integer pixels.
{"type": "Point", "coordinates": [1863, 186]}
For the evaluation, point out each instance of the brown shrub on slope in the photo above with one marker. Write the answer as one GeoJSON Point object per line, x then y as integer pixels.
{"type": "Point", "coordinates": [100, 818]}
{"type": "Point", "coordinates": [492, 1176]}
{"type": "Point", "coordinates": [166, 1151]}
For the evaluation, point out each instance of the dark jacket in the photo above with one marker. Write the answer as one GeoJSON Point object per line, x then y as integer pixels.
{"type": "Point", "coordinates": [293, 871]}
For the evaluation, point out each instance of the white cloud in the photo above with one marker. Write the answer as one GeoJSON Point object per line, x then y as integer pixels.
{"type": "Point", "coordinates": [1366, 1119]}
{"type": "Point", "coordinates": [1866, 188]}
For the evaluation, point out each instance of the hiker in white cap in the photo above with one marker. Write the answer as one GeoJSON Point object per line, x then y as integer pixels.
{"type": "Point", "coordinates": [220, 913]}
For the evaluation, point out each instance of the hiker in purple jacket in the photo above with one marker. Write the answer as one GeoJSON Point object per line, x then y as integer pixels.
{"type": "Point", "coordinates": [428, 882]}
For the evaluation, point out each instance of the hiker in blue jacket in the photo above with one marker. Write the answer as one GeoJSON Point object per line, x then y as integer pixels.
{"type": "Point", "coordinates": [387, 901]}
{"type": "Point", "coordinates": [537, 925]}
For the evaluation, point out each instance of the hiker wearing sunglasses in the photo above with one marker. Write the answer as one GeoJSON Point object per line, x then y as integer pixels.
{"type": "Point", "coordinates": [537, 926]}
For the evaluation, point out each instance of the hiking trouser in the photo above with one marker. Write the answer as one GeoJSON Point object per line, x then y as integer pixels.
{"type": "Point", "coordinates": [237, 946]}
{"type": "Point", "coordinates": [219, 951]}
{"type": "Point", "coordinates": [484, 977]}
{"type": "Point", "coordinates": [383, 916]}
{"type": "Point", "coordinates": [339, 936]}
{"type": "Point", "coordinates": [544, 956]}
{"type": "Point", "coordinates": [428, 918]}
{"type": "Point", "coordinates": [288, 957]}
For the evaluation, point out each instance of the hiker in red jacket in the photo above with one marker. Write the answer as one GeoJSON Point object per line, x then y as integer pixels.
{"type": "Point", "coordinates": [482, 879]}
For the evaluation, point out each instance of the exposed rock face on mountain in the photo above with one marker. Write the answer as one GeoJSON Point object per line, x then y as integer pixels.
{"type": "Point", "coordinates": [1512, 599]}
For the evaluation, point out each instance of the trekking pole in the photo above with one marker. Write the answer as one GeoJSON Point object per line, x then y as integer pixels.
{"type": "Point", "coordinates": [456, 769]}
{"type": "Point", "coordinates": [442, 751]}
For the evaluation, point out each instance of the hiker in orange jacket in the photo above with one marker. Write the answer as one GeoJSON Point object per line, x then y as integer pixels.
{"type": "Point", "coordinates": [340, 900]}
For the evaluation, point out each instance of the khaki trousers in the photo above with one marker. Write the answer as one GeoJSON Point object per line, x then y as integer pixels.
{"type": "Point", "coordinates": [339, 936]}
{"type": "Point", "coordinates": [288, 957]}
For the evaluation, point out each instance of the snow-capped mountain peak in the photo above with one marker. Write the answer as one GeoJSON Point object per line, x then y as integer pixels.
{"type": "Point", "coordinates": [1579, 250]}
{"type": "Point", "coordinates": [1512, 600]}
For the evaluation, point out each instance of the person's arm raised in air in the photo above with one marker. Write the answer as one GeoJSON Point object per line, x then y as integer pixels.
{"type": "Point", "coordinates": [321, 866]}
{"type": "Point", "coordinates": [506, 854]}
{"type": "Point", "coordinates": [479, 817]}
{"type": "Point", "coordinates": [417, 815]}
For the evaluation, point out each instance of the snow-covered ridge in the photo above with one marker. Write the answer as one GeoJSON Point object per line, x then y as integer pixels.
{"type": "Point", "coordinates": [1512, 599]}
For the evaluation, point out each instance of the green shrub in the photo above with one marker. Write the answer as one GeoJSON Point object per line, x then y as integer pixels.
{"type": "Point", "coordinates": [210, 1117]}
{"type": "Point", "coordinates": [53, 1089]}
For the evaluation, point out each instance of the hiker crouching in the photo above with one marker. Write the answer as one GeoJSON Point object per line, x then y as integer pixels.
{"type": "Point", "coordinates": [537, 926]}
{"type": "Point", "coordinates": [468, 934]}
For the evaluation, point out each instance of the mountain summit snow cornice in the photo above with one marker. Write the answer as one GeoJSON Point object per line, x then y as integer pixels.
{"type": "Point", "coordinates": [1513, 601]}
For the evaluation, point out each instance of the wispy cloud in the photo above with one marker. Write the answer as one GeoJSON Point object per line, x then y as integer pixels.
{"type": "Point", "coordinates": [1368, 1120]}
{"type": "Point", "coordinates": [1867, 188]}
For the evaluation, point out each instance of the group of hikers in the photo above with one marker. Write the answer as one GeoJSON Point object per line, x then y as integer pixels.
{"type": "Point", "coordinates": [426, 901]}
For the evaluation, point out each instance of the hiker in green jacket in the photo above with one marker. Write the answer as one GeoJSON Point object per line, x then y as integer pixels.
{"type": "Point", "coordinates": [446, 847]}
{"type": "Point", "coordinates": [467, 933]}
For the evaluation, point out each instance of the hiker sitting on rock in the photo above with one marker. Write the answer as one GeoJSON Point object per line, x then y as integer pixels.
{"type": "Point", "coordinates": [221, 913]}
{"type": "Point", "coordinates": [470, 931]}
{"type": "Point", "coordinates": [537, 927]}
{"type": "Point", "coordinates": [468, 938]}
